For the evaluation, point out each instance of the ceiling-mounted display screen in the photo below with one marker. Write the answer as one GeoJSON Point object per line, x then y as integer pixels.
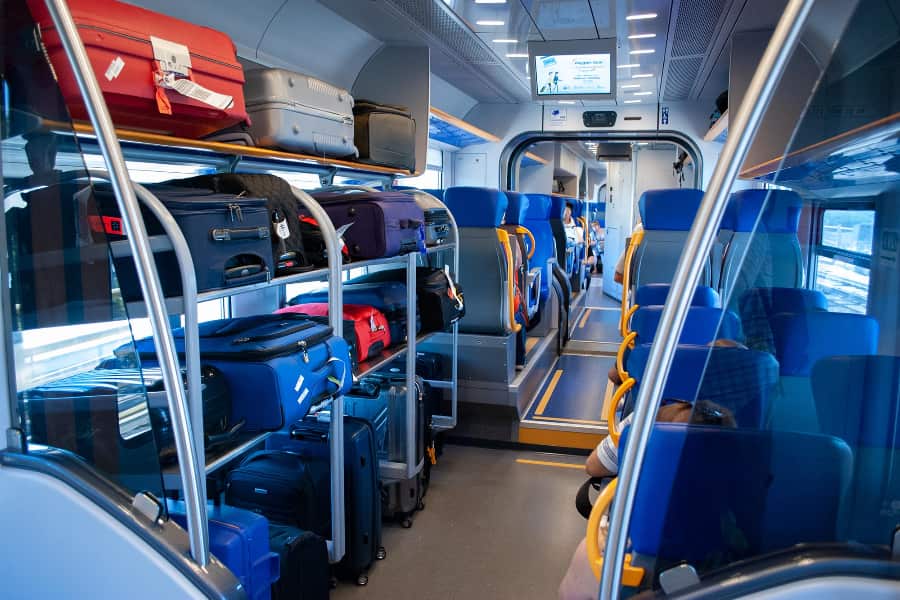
{"type": "Point", "coordinates": [573, 69]}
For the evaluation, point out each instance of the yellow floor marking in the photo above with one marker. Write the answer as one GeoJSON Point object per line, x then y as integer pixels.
{"type": "Point", "coordinates": [547, 463]}
{"type": "Point", "coordinates": [566, 420]}
{"type": "Point", "coordinates": [545, 399]}
{"type": "Point", "coordinates": [559, 439]}
{"type": "Point", "coordinates": [584, 319]}
{"type": "Point", "coordinates": [531, 343]}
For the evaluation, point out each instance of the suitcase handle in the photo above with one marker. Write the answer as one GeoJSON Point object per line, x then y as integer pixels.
{"type": "Point", "coordinates": [227, 436]}
{"type": "Point", "coordinates": [230, 234]}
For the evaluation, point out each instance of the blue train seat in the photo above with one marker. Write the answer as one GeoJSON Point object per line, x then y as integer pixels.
{"type": "Point", "coordinates": [655, 294]}
{"type": "Point", "coordinates": [565, 251]}
{"type": "Point", "coordinates": [667, 216]}
{"type": "Point", "coordinates": [741, 380]}
{"type": "Point", "coordinates": [801, 340]}
{"type": "Point", "coordinates": [757, 306]}
{"type": "Point", "coordinates": [702, 325]}
{"type": "Point", "coordinates": [485, 262]}
{"type": "Point", "coordinates": [537, 220]}
{"type": "Point", "coordinates": [439, 194]}
{"type": "Point", "coordinates": [530, 278]}
{"type": "Point", "coordinates": [713, 495]}
{"type": "Point", "coordinates": [856, 399]}
{"type": "Point", "coordinates": [771, 256]}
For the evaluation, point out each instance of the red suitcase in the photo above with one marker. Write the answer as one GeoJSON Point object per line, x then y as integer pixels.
{"type": "Point", "coordinates": [365, 328]}
{"type": "Point", "coordinates": [124, 43]}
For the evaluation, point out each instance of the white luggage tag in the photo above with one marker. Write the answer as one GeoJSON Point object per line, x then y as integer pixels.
{"type": "Point", "coordinates": [172, 70]}
{"type": "Point", "coordinates": [340, 233]}
{"type": "Point", "coordinates": [454, 295]}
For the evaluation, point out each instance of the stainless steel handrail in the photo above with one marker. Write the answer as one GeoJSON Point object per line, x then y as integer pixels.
{"type": "Point", "coordinates": [335, 317]}
{"type": "Point", "coordinates": [690, 267]}
{"type": "Point", "coordinates": [133, 223]}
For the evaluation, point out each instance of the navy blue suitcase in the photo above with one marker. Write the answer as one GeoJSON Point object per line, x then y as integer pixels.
{"type": "Point", "coordinates": [240, 540]}
{"type": "Point", "coordinates": [388, 297]}
{"type": "Point", "coordinates": [228, 235]}
{"type": "Point", "coordinates": [362, 505]}
{"type": "Point", "coordinates": [276, 366]}
{"type": "Point", "coordinates": [367, 402]}
{"type": "Point", "coordinates": [305, 573]}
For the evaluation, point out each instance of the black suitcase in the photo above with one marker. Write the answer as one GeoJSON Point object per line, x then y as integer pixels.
{"type": "Point", "coordinates": [437, 217]}
{"type": "Point", "coordinates": [228, 236]}
{"type": "Point", "coordinates": [304, 564]}
{"type": "Point", "coordinates": [282, 486]}
{"type": "Point", "coordinates": [385, 134]}
{"type": "Point", "coordinates": [286, 236]}
{"type": "Point", "coordinates": [309, 438]}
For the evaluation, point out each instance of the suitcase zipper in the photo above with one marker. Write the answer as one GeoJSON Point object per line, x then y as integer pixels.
{"type": "Point", "coordinates": [143, 41]}
{"type": "Point", "coordinates": [312, 110]}
{"type": "Point", "coordinates": [275, 335]}
{"type": "Point", "coordinates": [302, 345]}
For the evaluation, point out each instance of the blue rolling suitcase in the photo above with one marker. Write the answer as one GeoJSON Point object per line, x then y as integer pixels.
{"type": "Point", "coordinates": [240, 540]}
{"type": "Point", "coordinates": [309, 439]}
{"type": "Point", "coordinates": [388, 297]}
{"type": "Point", "coordinates": [367, 402]}
{"type": "Point", "coordinates": [276, 366]}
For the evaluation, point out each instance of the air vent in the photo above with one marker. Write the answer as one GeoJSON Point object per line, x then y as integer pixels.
{"type": "Point", "coordinates": [439, 23]}
{"type": "Point", "coordinates": [695, 26]}
{"type": "Point", "coordinates": [680, 78]}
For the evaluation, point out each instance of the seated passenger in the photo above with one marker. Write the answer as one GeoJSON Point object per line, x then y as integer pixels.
{"type": "Point", "coordinates": [579, 582]}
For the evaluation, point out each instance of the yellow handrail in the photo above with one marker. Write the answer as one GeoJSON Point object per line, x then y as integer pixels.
{"type": "Point", "coordinates": [526, 231]}
{"type": "Point", "coordinates": [631, 576]}
{"type": "Point", "coordinates": [503, 236]}
{"type": "Point", "coordinates": [613, 405]}
{"type": "Point", "coordinates": [628, 316]}
{"type": "Point", "coordinates": [627, 343]}
{"type": "Point", "coordinates": [636, 239]}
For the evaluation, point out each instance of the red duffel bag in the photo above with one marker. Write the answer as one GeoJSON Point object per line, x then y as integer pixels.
{"type": "Point", "coordinates": [157, 73]}
{"type": "Point", "coordinates": [365, 328]}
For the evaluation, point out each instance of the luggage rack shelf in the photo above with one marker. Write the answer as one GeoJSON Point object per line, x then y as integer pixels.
{"type": "Point", "coordinates": [218, 459]}
{"type": "Point", "coordinates": [142, 145]}
{"type": "Point", "coordinates": [389, 355]}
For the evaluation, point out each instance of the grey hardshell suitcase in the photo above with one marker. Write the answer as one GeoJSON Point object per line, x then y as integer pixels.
{"type": "Point", "coordinates": [299, 113]}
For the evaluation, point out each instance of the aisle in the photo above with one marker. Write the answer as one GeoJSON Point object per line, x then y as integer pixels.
{"type": "Point", "coordinates": [493, 529]}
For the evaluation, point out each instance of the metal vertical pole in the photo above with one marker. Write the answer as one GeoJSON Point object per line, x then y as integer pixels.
{"type": "Point", "coordinates": [189, 467]}
{"type": "Point", "coordinates": [336, 320]}
{"type": "Point", "coordinates": [690, 267]}
{"type": "Point", "coordinates": [412, 405]}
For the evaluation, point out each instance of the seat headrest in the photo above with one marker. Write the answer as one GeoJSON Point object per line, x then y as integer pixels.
{"type": "Point", "coordinates": [538, 207]}
{"type": "Point", "coordinates": [475, 206]}
{"type": "Point", "coordinates": [439, 194]}
{"type": "Point", "coordinates": [557, 206]}
{"type": "Point", "coordinates": [777, 300]}
{"type": "Point", "coordinates": [578, 208]}
{"type": "Point", "coordinates": [655, 294]}
{"type": "Point", "coordinates": [517, 208]}
{"type": "Point", "coordinates": [669, 210]}
{"type": "Point", "coordinates": [738, 379]}
{"type": "Point", "coordinates": [802, 339]}
{"type": "Point", "coordinates": [703, 325]}
{"type": "Point", "coordinates": [777, 489]}
{"type": "Point", "coordinates": [781, 214]}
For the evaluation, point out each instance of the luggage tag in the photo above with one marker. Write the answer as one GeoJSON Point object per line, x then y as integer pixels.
{"type": "Point", "coordinates": [340, 233]}
{"type": "Point", "coordinates": [172, 70]}
{"type": "Point", "coordinates": [451, 288]}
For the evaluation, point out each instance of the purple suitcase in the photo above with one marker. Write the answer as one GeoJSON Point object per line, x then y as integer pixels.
{"type": "Point", "coordinates": [384, 223]}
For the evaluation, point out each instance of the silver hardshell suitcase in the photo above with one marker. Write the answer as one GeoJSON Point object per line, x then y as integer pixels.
{"type": "Point", "coordinates": [299, 113]}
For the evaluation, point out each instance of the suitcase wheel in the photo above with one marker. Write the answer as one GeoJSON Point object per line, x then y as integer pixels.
{"type": "Point", "coordinates": [406, 523]}
{"type": "Point", "coordinates": [420, 505]}
{"type": "Point", "coordinates": [381, 554]}
{"type": "Point", "coordinates": [362, 579]}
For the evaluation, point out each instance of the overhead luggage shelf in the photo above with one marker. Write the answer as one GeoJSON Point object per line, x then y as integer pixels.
{"type": "Point", "coordinates": [857, 157]}
{"type": "Point", "coordinates": [151, 145]}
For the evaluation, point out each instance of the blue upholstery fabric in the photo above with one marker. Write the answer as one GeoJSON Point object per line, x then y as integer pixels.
{"type": "Point", "coordinates": [476, 207]}
{"type": "Point", "coordinates": [740, 380]}
{"type": "Point", "coordinates": [557, 206]}
{"type": "Point", "coordinates": [757, 306]}
{"type": "Point", "coordinates": [856, 398]}
{"type": "Point", "coordinates": [439, 194]}
{"type": "Point", "coordinates": [802, 339]}
{"type": "Point", "coordinates": [781, 214]}
{"type": "Point", "coordinates": [713, 495]}
{"type": "Point", "coordinates": [669, 210]}
{"type": "Point", "coordinates": [578, 208]}
{"type": "Point", "coordinates": [655, 294]}
{"type": "Point", "coordinates": [517, 208]}
{"type": "Point", "coordinates": [700, 327]}
{"type": "Point", "coordinates": [537, 220]}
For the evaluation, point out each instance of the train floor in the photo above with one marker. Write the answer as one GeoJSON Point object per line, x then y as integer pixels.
{"type": "Point", "coordinates": [497, 525]}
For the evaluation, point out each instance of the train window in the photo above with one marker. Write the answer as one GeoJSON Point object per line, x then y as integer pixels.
{"type": "Point", "coordinates": [843, 258]}
{"type": "Point", "coordinates": [433, 176]}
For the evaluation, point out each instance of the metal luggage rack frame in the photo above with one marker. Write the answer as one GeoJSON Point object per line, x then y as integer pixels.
{"type": "Point", "coordinates": [186, 406]}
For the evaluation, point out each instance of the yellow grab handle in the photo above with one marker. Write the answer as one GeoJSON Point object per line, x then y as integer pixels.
{"type": "Point", "coordinates": [627, 343]}
{"type": "Point", "coordinates": [503, 236]}
{"type": "Point", "coordinates": [636, 239]}
{"type": "Point", "coordinates": [526, 231]}
{"type": "Point", "coordinates": [631, 576]}
{"type": "Point", "coordinates": [613, 405]}
{"type": "Point", "coordinates": [628, 316]}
